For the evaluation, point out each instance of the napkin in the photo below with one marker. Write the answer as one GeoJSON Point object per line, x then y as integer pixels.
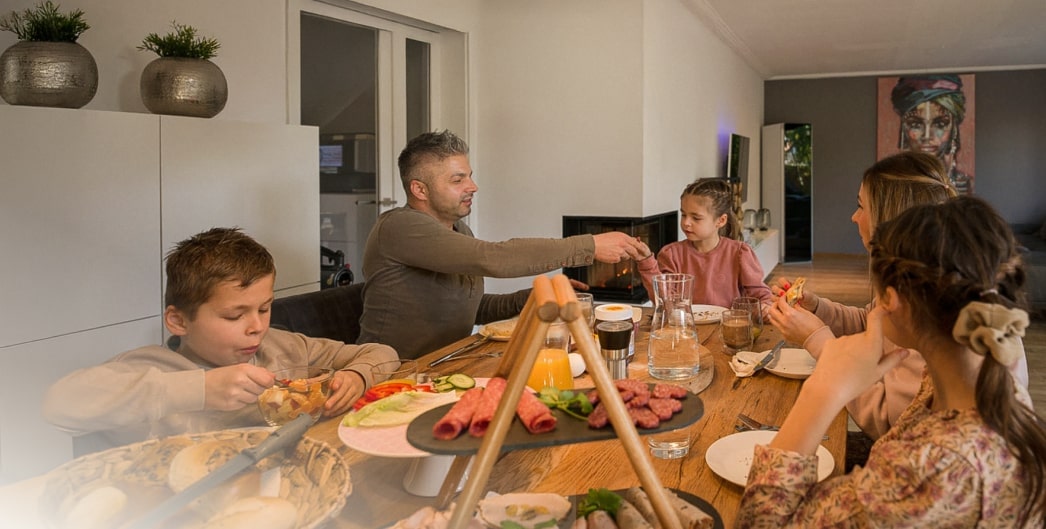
{"type": "Point", "coordinates": [743, 362]}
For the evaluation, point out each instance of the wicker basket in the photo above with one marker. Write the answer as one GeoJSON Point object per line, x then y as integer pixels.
{"type": "Point", "coordinates": [315, 477]}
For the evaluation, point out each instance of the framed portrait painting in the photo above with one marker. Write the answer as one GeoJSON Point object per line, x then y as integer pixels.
{"type": "Point", "coordinates": [932, 113]}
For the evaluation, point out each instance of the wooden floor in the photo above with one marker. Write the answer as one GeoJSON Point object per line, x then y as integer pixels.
{"type": "Point", "coordinates": [844, 278]}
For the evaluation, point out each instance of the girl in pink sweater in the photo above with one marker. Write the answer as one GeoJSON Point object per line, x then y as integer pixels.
{"type": "Point", "coordinates": [723, 266]}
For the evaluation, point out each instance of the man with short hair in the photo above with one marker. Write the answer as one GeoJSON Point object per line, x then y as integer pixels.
{"type": "Point", "coordinates": [425, 269]}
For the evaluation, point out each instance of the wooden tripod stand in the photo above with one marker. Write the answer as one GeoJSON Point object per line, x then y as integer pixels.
{"type": "Point", "coordinates": [550, 299]}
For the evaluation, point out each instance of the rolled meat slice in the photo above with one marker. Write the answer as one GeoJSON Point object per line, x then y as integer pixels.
{"type": "Point", "coordinates": [459, 416]}
{"type": "Point", "coordinates": [488, 404]}
{"type": "Point", "coordinates": [534, 414]}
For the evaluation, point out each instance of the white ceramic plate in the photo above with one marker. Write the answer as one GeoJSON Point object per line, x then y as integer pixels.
{"type": "Point", "coordinates": [385, 441]}
{"type": "Point", "coordinates": [707, 313]}
{"type": "Point", "coordinates": [731, 457]}
{"type": "Point", "coordinates": [499, 331]}
{"type": "Point", "coordinates": [793, 363]}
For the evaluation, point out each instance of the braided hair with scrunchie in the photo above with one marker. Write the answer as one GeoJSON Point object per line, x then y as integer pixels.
{"type": "Point", "coordinates": [958, 268]}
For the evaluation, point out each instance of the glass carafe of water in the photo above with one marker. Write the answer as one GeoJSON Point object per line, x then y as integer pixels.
{"type": "Point", "coordinates": [673, 352]}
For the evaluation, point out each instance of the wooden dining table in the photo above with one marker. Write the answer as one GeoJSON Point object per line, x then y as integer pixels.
{"type": "Point", "coordinates": [379, 499]}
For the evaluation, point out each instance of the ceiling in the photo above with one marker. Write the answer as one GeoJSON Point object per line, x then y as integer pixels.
{"type": "Point", "coordinates": [784, 39]}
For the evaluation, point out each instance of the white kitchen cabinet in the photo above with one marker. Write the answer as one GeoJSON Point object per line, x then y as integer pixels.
{"type": "Point", "coordinates": [90, 203]}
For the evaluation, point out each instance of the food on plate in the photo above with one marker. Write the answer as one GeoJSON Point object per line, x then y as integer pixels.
{"type": "Point", "coordinates": [573, 403]}
{"type": "Point", "coordinates": [629, 517]}
{"type": "Point", "coordinates": [255, 512]}
{"type": "Point", "coordinates": [600, 520]}
{"type": "Point", "coordinates": [524, 510]}
{"type": "Point", "coordinates": [398, 408]}
{"type": "Point", "coordinates": [795, 291]}
{"type": "Point", "coordinates": [457, 381]}
{"type": "Point", "coordinates": [646, 407]}
{"type": "Point", "coordinates": [690, 517]}
{"type": "Point", "coordinates": [288, 399]}
{"type": "Point", "coordinates": [430, 518]}
{"type": "Point", "coordinates": [500, 330]}
{"type": "Point", "coordinates": [534, 415]}
{"type": "Point", "coordinates": [458, 418]}
{"type": "Point", "coordinates": [382, 390]}
{"type": "Point", "coordinates": [476, 408]}
{"type": "Point", "coordinates": [488, 404]}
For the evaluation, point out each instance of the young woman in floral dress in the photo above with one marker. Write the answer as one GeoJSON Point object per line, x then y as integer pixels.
{"type": "Point", "coordinates": [969, 451]}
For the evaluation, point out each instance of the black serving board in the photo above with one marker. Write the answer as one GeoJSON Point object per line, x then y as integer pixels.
{"type": "Point", "coordinates": [568, 430]}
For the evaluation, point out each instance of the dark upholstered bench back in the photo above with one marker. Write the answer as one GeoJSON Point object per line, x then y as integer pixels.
{"type": "Point", "coordinates": [331, 313]}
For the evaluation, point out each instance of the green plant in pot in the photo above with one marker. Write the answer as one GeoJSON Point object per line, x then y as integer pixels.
{"type": "Point", "coordinates": [47, 67]}
{"type": "Point", "coordinates": [182, 80]}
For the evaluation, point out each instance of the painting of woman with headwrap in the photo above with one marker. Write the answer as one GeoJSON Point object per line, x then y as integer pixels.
{"type": "Point", "coordinates": [932, 114]}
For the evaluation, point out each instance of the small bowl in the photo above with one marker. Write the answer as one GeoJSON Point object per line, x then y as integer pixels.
{"type": "Point", "coordinates": [297, 390]}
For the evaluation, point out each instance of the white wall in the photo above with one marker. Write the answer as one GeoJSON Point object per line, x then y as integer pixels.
{"type": "Point", "coordinates": [696, 92]}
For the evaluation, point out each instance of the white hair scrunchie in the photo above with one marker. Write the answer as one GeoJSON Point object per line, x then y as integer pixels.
{"type": "Point", "coordinates": [988, 327]}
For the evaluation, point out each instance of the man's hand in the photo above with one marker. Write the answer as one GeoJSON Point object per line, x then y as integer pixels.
{"type": "Point", "coordinates": [346, 388]}
{"type": "Point", "coordinates": [615, 246]}
{"type": "Point", "coordinates": [233, 387]}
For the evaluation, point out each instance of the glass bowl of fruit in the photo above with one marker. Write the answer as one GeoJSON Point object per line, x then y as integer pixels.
{"type": "Point", "coordinates": [297, 390]}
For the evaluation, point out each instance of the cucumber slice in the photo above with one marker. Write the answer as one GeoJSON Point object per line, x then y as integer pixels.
{"type": "Point", "coordinates": [443, 387]}
{"type": "Point", "coordinates": [461, 381]}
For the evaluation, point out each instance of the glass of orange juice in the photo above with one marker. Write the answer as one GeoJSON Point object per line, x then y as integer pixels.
{"type": "Point", "coordinates": [552, 367]}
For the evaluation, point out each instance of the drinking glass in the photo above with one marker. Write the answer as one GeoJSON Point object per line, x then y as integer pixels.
{"type": "Point", "coordinates": [586, 301]}
{"type": "Point", "coordinates": [552, 367]}
{"type": "Point", "coordinates": [673, 352]}
{"type": "Point", "coordinates": [402, 369]}
{"type": "Point", "coordinates": [672, 444]}
{"type": "Point", "coordinates": [755, 307]}
{"type": "Point", "coordinates": [735, 328]}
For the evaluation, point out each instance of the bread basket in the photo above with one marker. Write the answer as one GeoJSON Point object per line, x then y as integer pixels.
{"type": "Point", "coordinates": [315, 477]}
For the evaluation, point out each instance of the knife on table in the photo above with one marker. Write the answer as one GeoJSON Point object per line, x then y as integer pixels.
{"type": "Point", "coordinates": [769, 357]}
{"type": "Point", "coordinates": [461, 350]}
{"type": "Point", "coordinates": [284, 436]}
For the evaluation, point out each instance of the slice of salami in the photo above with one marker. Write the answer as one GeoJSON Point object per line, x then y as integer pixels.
{"type": "Point", "coordinates": [487, 406]}
{"type": "Point", "coordinates": [459, 416]}
{"type": "Point", "coordinates": [599, 417]}
{"type": "Point", "coordinates": [663, 408]}
{"type": "Point", "coordinates": [534, 414]}
{"type": "Point", "coordinates": [664, 391]}
{"type": "Point", "coordinates": [644, 418]}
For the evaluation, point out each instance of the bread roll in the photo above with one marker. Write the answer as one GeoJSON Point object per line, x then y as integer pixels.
{"type": "Point", "coordinates": [600, 520]}
{"type": "Point", "coordinates": [690, 517]}
{"type": "Point", "coordinates": [256, 512]}
{"type": "Point", "coordinates": [96, 509]}
{"type": "Point", "coordinates": [198, 460]}
{"type": "Point", "coordinates": [153, 463]}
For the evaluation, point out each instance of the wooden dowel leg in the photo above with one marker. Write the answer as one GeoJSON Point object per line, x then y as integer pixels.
{"type": "Point", "coordinates": [623, 426]}
{"type": "Point", "coordinates": [451, 482]}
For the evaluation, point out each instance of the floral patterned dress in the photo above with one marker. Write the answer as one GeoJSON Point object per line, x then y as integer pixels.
{"type": "Point", "coordinates": [939, 469]}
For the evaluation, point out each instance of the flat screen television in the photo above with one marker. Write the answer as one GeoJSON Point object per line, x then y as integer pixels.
{"type": "Point", "coordinates": [737, 163]}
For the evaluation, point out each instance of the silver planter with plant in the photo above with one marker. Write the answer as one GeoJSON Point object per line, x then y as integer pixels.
{"type": "Point", "coordinates": [183, 81]}
{"type": "Point", "coordinates": [47, 67]}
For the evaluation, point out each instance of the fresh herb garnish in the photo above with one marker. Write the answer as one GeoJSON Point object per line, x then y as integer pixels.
{"type": "Point", "coordinates": [599, 500]}
{"type": "Point", "coordinates": [575, 404]}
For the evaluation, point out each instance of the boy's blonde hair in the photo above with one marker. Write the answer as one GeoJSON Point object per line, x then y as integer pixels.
{"type": "Point", "coordinates": [198, 264]}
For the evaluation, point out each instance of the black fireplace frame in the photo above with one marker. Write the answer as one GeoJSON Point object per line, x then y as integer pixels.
{"type": "Point", "coordinates": [666, 230]}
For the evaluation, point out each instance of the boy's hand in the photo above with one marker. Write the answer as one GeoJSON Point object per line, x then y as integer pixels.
{"type": "Point", "coordinates": [233, 387]}
{"type": "Point", "coordinates": [346, 388]}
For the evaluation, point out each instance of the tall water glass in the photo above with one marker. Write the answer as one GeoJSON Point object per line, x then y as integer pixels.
{"type": "Point", "coordinates": [673, 352]}
{"type": "Point", "coordinates": [754, 307]}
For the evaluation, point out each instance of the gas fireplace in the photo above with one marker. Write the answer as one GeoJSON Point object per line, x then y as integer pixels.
{"type": "Point", "coordinates": [621, 281]}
